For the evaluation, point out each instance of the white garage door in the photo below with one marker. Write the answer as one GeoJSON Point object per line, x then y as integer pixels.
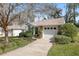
{"type": "Point", "coordinates": [16, 32]}
{"type": "Point", "coordinates": [49, 32]}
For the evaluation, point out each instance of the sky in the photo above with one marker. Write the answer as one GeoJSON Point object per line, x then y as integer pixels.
{"type": "Point", "coordinates": [63, 7]}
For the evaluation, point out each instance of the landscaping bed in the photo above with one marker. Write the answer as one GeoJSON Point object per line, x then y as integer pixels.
{"type": "Point", "coordinates": [14, 42]}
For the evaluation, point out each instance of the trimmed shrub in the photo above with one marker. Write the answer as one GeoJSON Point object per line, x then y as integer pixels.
{"type": "Point", "coordinates": [22, 34]}
{"type": "Point", "coordinates": [61, 39]}
{"type": "Point", "coordinates": [39, 35]}
{"type": "Point", "coordinates": [70, 30]}
{"type": "Point", "coordinates": [26, 34]}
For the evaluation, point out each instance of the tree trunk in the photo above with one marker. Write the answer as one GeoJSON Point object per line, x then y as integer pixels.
{"type": "Point", "coordinates": [6, 37]}
{"type": "Point", "coordinates": [74, 13]}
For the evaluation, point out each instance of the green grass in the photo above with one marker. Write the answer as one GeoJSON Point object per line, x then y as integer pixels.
{"type": "Point", "coordinates": [14, 43]}
{"type": "Point", "coordinates": [71, 49]}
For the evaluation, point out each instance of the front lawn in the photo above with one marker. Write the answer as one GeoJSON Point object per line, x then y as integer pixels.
{"type": "Point", "coordinates": [14, 42]}
{"type": "Point", "coordinates": [71, 49]}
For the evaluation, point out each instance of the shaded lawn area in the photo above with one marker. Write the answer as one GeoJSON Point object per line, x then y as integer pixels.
{"type": "Point", "coordinates": [14, 43]}
{"type": "Point", "coordinates": [71, 49]}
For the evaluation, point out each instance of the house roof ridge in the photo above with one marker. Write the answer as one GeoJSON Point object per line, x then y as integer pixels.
{"type": "Point", "coordinates": [56, 21]}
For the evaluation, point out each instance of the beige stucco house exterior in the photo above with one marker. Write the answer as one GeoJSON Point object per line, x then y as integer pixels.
{"type": "Point", "coordinates": [49, 27]}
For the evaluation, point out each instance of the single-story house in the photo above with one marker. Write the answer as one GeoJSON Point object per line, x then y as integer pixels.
{"type": "Point", "coordinates": [49, 27]}
{"type": "Point", "coordinates": [14, 30]}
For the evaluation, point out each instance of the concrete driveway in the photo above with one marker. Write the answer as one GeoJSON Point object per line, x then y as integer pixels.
{"type": "Point", "coordinates": [39, 47]}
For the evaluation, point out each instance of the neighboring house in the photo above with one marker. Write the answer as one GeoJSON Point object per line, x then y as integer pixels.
{"type": "Point", "coordinates": [49, 27]}
{"type": "Point", "coordinates": [14, 30]}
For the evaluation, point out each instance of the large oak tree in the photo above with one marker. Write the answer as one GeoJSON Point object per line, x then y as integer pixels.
{"type": "Point", "coordinates": [7, 15]}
